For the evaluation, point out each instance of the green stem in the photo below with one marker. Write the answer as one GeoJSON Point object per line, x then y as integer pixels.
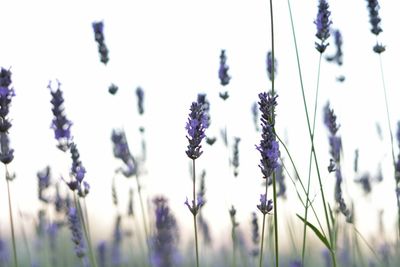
{"type": "Point", "coordinates": [11, 219]}
{"type": "Point", "coordinates": [274, 175]}
{"type": "Point", "coordinates": [195, 213]}
{"type": "Point", "coordinates": [262, 241]}
{"type": "Point", "coordinates": [25, 238]}
{"type": "Point", "coordinates": [85, 231]}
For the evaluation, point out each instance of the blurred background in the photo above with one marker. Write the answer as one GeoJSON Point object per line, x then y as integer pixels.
{"type": "Point", "coordinates": [171, 50]}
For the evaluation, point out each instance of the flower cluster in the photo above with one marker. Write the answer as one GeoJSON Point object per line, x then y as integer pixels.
{"type": "Point", "coordinates": [223, 69]}
{"type": "Point", "coordinates": [60, 124]}
{"type": "Point", "coordinates": [165, 240]}
{"type": "Point", "coordinates": [375, 20]}
{"type": "Point", "coordinates": [235, 158]}
{"type": "Point", "coordinates": [268, 147]}
{"type": "Point", "coordinates": [6, 94]}
{"type": "Point", "coordinates": [76, 231]}
{"type": "Point", "coordinates": [44, 178]}
{"type": "Point", "coordinates": [338, 56]}
{"type": "Point", "coordinates": [112, 89]}
{"type": "Point", "coordinates": [265, 205]}
{"type": "Point", "coordinates": [140, 98]}
{"type": "Point", "coordinates": [269, 66]}
{"type": "Point", "coordinates": [98, 28]}
{"type": "Point", "coordinates": [122, 152]}
{"type": "Point", "coordinates": [323, 23]}
{"type": "Point", "coordinates": [78, 173]}
{"type": "Point", "coordinates": [255, 235]}
{"type": "Point", "coordinates": [196, 125]}
{"type": "Point", "coordinates": [335, 141]}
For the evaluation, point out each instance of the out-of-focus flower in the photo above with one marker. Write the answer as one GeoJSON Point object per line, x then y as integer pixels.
{"type": "Point", "coordinates": [98, 29]}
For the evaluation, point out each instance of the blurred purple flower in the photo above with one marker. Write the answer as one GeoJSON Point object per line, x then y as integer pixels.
{"type": "Point", "coordinates": [60, 124]}
{"type": "Point", "coordinates": [122, 152]}
{"type": "Point", "coordinates": [223, 69]}
{"type": "Point", "coordinates": [98, 28]}
{"type": "Point", "coordinates": [76, 232]}
{"type": "Point", "coordinates": [44, 177]}
{"type": "Point", "coordinates": [140, 99]}
{"type": "Point", "coordinates": [6, 94]}
{"type": "Point", "coordinates": [374, 19]}
{"type": "Point", "coordinates": [265, 205]}
{"type": "Point", "coordinates": [338, 56]}
{"type": "Point", "coordinates": [269, 65]}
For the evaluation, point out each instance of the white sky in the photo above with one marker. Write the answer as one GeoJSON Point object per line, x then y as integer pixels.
{"type": "Point", "coordinates": [171, 49]}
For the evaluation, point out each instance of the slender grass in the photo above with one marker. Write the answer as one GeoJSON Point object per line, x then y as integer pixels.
{"type": "Point", "coordinates": [92, 258]}
{"type": "Point", "coordinates": [10, 212]}
{"type": "Point", "coordinates": [311, 138]}
{"type": "Point", "coordinates": [25, 238]}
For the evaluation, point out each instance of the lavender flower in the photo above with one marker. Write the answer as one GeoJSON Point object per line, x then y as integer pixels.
{"type": "Point", "coordinates": [265, 206]}
{"type": "Point", "coordinates": [255, 234]}
{"type": "Point", "coordinates": [4, 254]}
{"type": "Point", "coordinates": [335, 141]}
{"type": "Point", "coordinates": [323, 23]}
{"type": "Point", "coordinates": [223, 69]}
{"type": "Point", "coordinates": [202, 99]}
{"type": "Point", "coordinates": [101, 254]}
{"type": "Point", "coordinates": [165, 240]}
{"type": "Point", "coordinates": [122, 152]}
{"type": "Point", "coordinates": [60, 124]}
{"type": "Point", "coordinates": [76, 231]}
{"type": "Point", "coordinates": [295, 263]}
{"type": "Point", "coordinates": [44, 177]}
{"type": "Point", "coordinates": [196, 125]}
{"type": "Point", "coordinates": [6, 94]}
{"type": "Point", "coordinates": [356, 156]}
{"type": "Point", "coordinates": [269, 147]}
{"type": "Point", "coordinates": [374, 19]}
{"type": "Point", "coordinates": [338, 56]}
{"type": "Point", "coordinates": [140, 97]}
{"type": "Point", "coordinates": [365, 182]}
{"type": "Point", "coordinates": [254, 112]}
{"type": "Point", "coordinates": [235, 159]}
{"type": "Point", "coordinates": [98, 28]}
{"type": "Point", "coordinates": [116, 257]}
{"type": "Point", "coordinates": [269, 65]}
{"type": "Point", "coordinates": [112, 89]}
{"type": "Point", "coordinates": [280, 179]}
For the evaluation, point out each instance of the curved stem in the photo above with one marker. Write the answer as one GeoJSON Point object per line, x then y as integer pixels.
{"type": "Point", "coordinates": [311, 137]}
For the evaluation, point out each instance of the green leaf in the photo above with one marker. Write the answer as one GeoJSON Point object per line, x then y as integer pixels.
{"type": "Point", "coordinates": [316, 231]}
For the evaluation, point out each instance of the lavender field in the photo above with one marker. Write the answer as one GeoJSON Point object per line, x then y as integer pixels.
{"type": "Point", "coordinates": [199, 133]}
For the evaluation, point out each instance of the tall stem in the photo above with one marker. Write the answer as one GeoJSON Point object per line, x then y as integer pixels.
{"type": "Point", "coordinates": [195, 213]}
{"type": "Point", "coordinates": [273, 174]}
{"type": "Point", "coordinates": [11, 218]}
{"type": "Point", "coordinates": [311, 138]}
{"type": "Point", "coordinates": [262, 242]}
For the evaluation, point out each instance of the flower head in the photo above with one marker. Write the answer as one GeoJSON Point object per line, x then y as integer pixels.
{"type": "Point", "coordinates": [374, 19]}
{"type": "Point", "coordinates": [196, 125]}
{"type": "Point", "coordinates": [122, 152]}
{"type": "Point", "coordinates": [338, 56]}
{"type": "Point", "coordinates": [44, 177]}
{"type": "Point", "coordinates": [76, 231]}
{"type": "Point", "coordinates": [223, 69]}
{"type": "Point", "coordinates": [269, 66]}
{"type": "Point", "coordinates": [268, 147]}
{"type": "Point", "coordinates": [98, 28]}
{"type": "Point", "coordinates": [140, 98]}
{"type": "Point", "coordinates": [265, 205]}
{"type": "Point", "coordinates": [60, 124]}
{"type": "Point", "coordinates": [6, 94]}
{"type": "Point", "coordinates": [323, 23]}
{"type": "Point", "coordinates": [165, 240]}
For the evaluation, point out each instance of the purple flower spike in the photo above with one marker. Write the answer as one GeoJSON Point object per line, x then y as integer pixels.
{"type": "Point", "coordinates": [223, 69]}
{"type": "Point", "coordinates": [140, 98]}
{"type": "Point", "coordinates": [60, 124]}
{"type": "Point", "coordinates": [195, 127]}
{"type": "Point", "coordinates": [323, 23]}
{"type": "Point", "coordinates": [374, 19]}
{"type": "Point", "coordinates": [76, 231]}
{"type": "Point", "coordinates": [122, 152]}
{"type": "Point", "coordinates": [98, 28]}
{"type": "Point", "coordinates": [6, 93]}
{"type": "Point", "coordinates": [269, 66]}
{"type": "Point", "coordinates": [268, 147]}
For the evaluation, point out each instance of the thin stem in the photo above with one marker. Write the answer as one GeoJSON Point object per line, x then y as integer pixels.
{"type": "Point", "coordinates": [28, 251]}
{"type": "Point", "coordinates": [310, 163]}
{"type": "Point", "coordinates": [273, 174]}
{"type": "Point", "coordinates": [11, 218]}
{"type": "Point", "coordinates": [311, 138]}
{"type": "Point", "coordinates": [195, 213]}
{"type": "Point", "coordinates": [262, 241]}
{"type": "Point", "coordinates": [85, 231]}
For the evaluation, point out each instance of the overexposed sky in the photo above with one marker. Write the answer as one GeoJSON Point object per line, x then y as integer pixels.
{"type": "Point", "coordinates": [171, 49]}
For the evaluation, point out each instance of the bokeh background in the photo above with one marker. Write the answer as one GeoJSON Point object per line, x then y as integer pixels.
{"type": "Point", "coordinates": [171, 49]}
